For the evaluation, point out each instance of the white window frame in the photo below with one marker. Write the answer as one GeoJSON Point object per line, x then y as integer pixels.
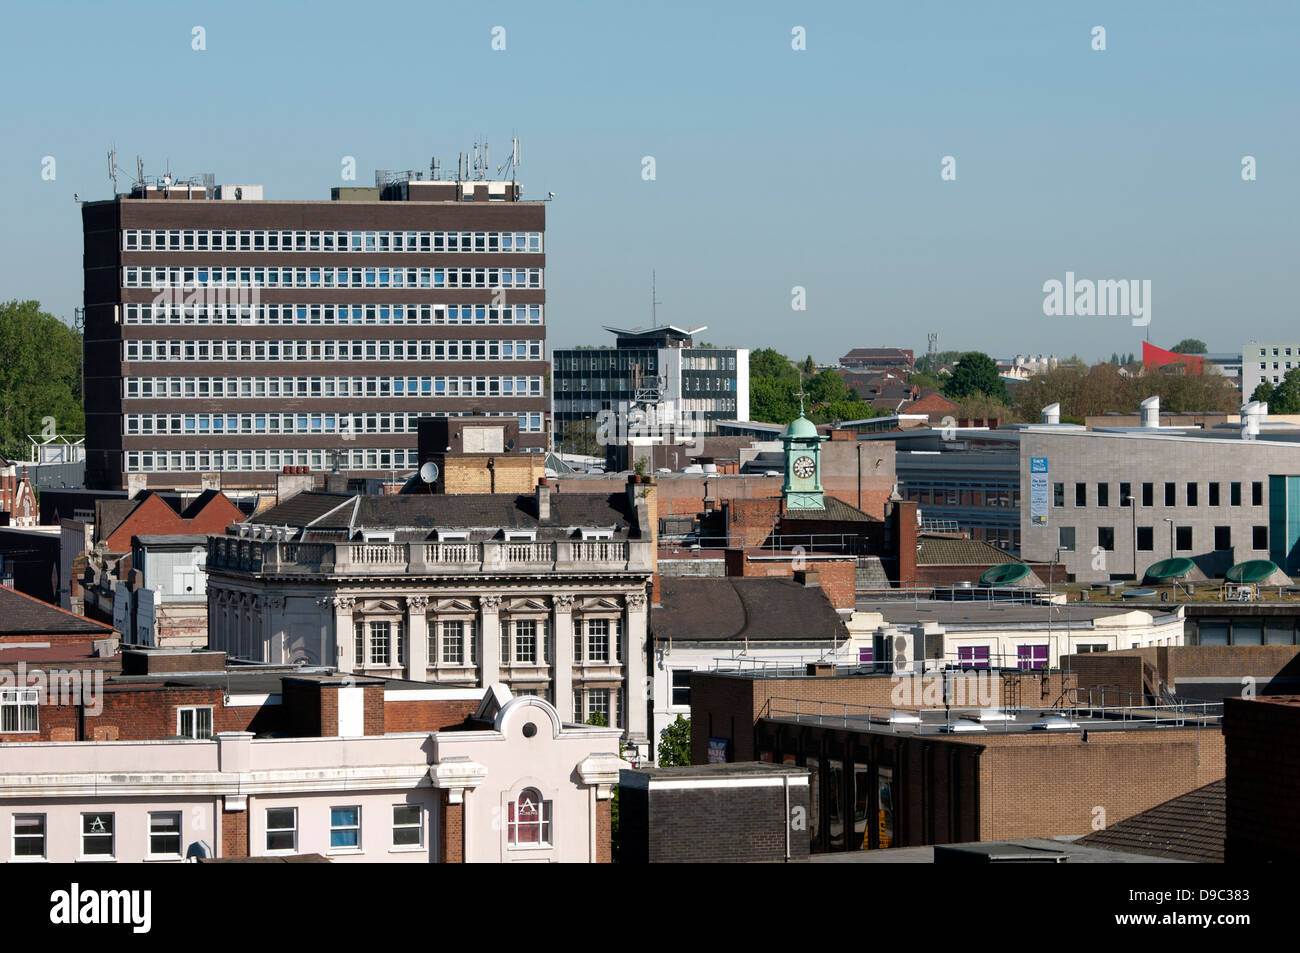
{"type": "Point", "coordinates": [345, 848]}
{"type": "Point", "coordinates": [111, 836]}
{"type": "Point", "coordinates": [150, 853]}
{"type": "Point", "coordinates": [20, 700]}
{"type": "Point", "coordinates": [418, 827]}
{"type": "Point", "coordinates": [193, 711]}
{"type": "Point", "coordinates": [269, 830]}
{"type": "Point", "coordinates": [15, 838]}
{"type": "Point", "coordinates": [544, 824]}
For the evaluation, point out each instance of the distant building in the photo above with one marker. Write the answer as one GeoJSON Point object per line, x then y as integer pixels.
{"type": "Point", "coordinates": [879, 358]}
{"type": "Point", "coordinates": [234, 334]}
{"type": "Point", "coordinates": [1266, 362]}
{"type": "Point", "coordinates": [660, 371]}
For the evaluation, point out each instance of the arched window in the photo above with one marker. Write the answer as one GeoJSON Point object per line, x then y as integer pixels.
{"type": "Point", "coordinates": [529, 820]}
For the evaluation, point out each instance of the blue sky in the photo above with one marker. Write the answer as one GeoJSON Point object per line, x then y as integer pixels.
{"type": "Point", "coordinates": [775, 168]}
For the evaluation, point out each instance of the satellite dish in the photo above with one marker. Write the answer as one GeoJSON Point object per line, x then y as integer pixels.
{"type": "Point", "coordinates": [429, 472]}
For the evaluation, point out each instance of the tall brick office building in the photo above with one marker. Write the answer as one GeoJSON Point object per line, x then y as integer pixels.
{"type": "Point", "coordinates": [227, 334]}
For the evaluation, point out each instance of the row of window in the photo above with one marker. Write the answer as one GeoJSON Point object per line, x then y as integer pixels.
{"type": "Point", "coordinates": [438, 349]}
{"type": "Point", "coordinates": [485, 386]}
{"type": "Point", "coordinates": [523, 642]}
{"type": "Point", "coordinates": [1183, 538]}
{"type": "Point", "coordinates": [620, 384]}
{"type": "Point", "coordinates": [20, 713]}
{"type": "Point", "coordinates": [211, 276]}
{"type": "Point", "coordinates": [264, 461]}
{"type": "Point", "coordinates": [204, 312]}
{"type": "Point", "coordinates": [363, 242]}
{"type": "Point", "coordinates": [952, 496]}
{"type": "Point", "coordinates": [312, 423]}
{"type": "Point", "coordinates": [1191, 494]}
{"type": "Point", "coordinates": [99, 832]}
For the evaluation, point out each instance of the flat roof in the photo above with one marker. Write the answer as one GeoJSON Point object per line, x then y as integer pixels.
{"type": "Point", "coordinates": [976, 614]}
{"type": "Point", "coordinates": [1009, 851]}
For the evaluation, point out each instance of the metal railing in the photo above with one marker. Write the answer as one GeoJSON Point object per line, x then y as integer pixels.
{"type": "Point", "coordinates": [955, 593]}
{"type": "Point", "coordinates": [1191, 714]}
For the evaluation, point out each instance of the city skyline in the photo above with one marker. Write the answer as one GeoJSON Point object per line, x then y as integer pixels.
{"type": "Point", "coordinates": [775, 168]}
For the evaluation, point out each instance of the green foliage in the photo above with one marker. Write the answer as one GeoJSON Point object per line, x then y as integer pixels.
{"type": "Point", "coordinates": [774, 383]}
{"type": "Point", "coordinates": [40, 376]}
{"type": "Point", "coordinates": [926, 365]}
{"type": "Point", "coordinates": [675, 744]}
{"type": "Point", "coordinates": [1264, 393]}
{"type": "Point", "coordinates": [580, 437]}
{"type": "Point", "coordinates": [766, 362]}
{"type": "Point", "coordinates": [924, 380]}
{"type": "Point", "coordinates": [1101, 389]}
{"type": "Point", "coordinates": [1285, 397]}
{"type": "Point", "coordinates": [598, 720]}
{"type": "Point", "coordinates": [976, 373]}
{"type": "Point", "coordinates": [1190, 346]}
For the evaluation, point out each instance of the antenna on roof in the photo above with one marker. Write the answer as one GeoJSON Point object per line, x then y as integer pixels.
{"type": "Point", "coordinates": [654, 301]}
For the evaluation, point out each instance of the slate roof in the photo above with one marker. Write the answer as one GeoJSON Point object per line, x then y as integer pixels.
{"type": "Point", "coordinates": [20, 614]}
{"type": "Point", "coordinates": [950, 551]}
{"type": "Point", "coordinates": [328, 512]}
{"type": "Point", "coordinates": [836, 511]}
{"type": "Point", "coordinates": [1188, 827]}
{"type": "Point", "coordinates": [733, 609]}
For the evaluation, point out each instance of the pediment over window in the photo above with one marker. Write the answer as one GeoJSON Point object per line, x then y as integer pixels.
{"type": "Point", "coordinates": [380, 605]}
{"type": "Point", "coordinates": [527, 605]}
{"type": "Point", "coordinates": [601, 602]}
{"type": "Point", "coordinates": [454, 605]}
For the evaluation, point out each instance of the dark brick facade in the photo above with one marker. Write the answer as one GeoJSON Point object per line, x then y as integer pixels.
{"type": "Point", "coordinates": [709, 820]}
{"type": "Point", "coordinates": [1263, 774]}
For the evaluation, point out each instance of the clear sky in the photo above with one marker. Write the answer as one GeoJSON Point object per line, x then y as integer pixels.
{"type": "Point", "coordinates": [774, 168]}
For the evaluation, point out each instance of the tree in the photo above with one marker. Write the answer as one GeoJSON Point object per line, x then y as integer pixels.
{"type": "Point", "coordinates": [1190, 346]}
{"type": "Point", "coordinates": [766, 362]}
{"type": "Point", "coordinates": [976, 373]}
{"type": "Point", "coordinates": [675, 744]}
{"type": "Point", "coordinates": [809, 366]}
{"type": "Point", "coordinates": [580, 437]}
{"type": "Point", "coordinates": [772, 399]}
{"type": "Point", "coordinates": [1264, 393]}
{"type": "Point", "coordinates": [1286, 396]}
{"type": "Point", "coordinates": [40, 376]}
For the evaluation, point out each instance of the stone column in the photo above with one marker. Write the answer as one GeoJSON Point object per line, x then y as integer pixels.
{"type": "Point", "coordinates": [342, 606]}
{"type": "Point", "coordinates": [637, 684]}
{"type": "Point", "coordinates": [417, 638]}
{"type": "Point", "coordinates": [489, 640]}
{"type": "Point", "coordinates": [563, 665]}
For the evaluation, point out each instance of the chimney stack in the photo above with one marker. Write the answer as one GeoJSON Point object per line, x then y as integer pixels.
{"type": "Point", "coordinates": [543, 501]}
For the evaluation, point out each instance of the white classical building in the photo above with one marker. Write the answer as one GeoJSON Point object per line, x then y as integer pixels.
{"type": "Point", "coordinates": [545, 594]}
{"type": "Point", "coordinates": [515, 785]}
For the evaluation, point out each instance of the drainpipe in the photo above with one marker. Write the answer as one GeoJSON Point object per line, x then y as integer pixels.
{"type": "Point", "coordinates": [787, 818]}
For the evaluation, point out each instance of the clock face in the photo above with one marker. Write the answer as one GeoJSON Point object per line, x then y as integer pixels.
{"type": "Point", "coordinates": [804, 467]}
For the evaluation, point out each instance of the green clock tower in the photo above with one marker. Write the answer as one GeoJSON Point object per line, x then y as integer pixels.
{"type": "Point", "coordinates": [803, 466]}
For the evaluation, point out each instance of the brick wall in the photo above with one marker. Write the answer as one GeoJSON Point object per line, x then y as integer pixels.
{"type": "Point", "coordinates": [451, 832]}
{"type": "Point", "coordinates": [374, 720]}
{"type": "Point", "coordinates": [234, 833]}
{"type": "Point", "coordinates": [1263, 772]}
{"type": "Point", "coordinates": [716, 825]}
{"type": "Point", "coordinates": [604, 833]}
{"type": "Point", "coordinates": [837, 577]}
{"type": "Point", "coordinates": [749, 522]}
{"type": "Point", "coordinates": [1053, 785]}
{"type": "Point", "coordinates": [400, 716]}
